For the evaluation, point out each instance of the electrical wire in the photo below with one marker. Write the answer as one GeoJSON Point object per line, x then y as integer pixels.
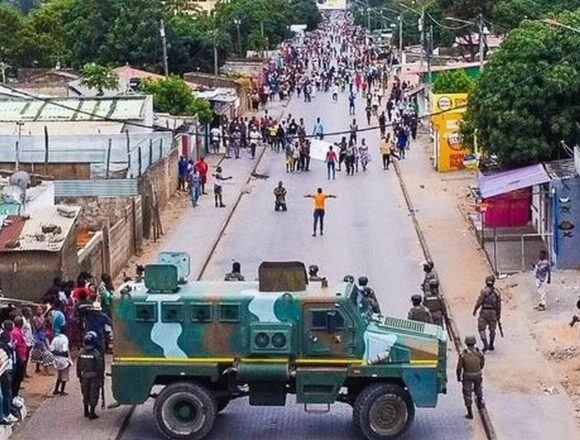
{"type": "Point", "coordinates": [451, 28]}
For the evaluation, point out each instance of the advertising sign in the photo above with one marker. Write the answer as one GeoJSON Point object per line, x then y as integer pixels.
{"type": "Point", "coordinates": [331, 4]}
{"type": "Point", "coordinates": [447, 101]}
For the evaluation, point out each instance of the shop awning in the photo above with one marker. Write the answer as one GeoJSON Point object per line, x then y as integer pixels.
{"type": "Point", "coordinates": [505, 181]}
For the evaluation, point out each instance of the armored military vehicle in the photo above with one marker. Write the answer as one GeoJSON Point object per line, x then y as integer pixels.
{"type": "Point", "coordinates": [207, 343]}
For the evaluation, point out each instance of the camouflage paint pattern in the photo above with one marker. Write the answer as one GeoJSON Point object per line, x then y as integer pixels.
{"type": "Point", "coordinates": [159, 334]}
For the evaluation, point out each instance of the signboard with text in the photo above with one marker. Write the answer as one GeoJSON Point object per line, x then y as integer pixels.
{"type": "Point", "coordinates": [331, 4]}
{"type": "Point", "coordinates": [449, 149]}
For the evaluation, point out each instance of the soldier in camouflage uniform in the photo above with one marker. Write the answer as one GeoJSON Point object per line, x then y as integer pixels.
{"type": "Point", "coordinates": [235, 274]}
{"type": "Point", "coordinates": [314, 277]}
{"type": "Point", "coordinates": [419, 312]}
{"type": "Point", "coordinates": [369, 294]}
{"type": "Point", "coordinates": [470, 374]}
{"type": "Point", "coordinates": [429, 275]}
{"type": "Point", "coordinates": [433, 301]}
{"type": "Point", "coordinates": [490, 302]}
{"type": "Point", "coordinates": [91, 373]}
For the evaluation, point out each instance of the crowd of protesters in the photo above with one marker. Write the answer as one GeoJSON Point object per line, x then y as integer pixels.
{"type": "Point", "coordinates": [43, 338]}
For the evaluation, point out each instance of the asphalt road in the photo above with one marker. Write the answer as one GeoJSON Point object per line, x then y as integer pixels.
{"type": "Point", "coordinates": [367, 232]}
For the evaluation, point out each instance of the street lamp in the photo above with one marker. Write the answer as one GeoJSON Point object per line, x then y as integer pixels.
{"type": "Point", "coordinates": [237, 22]}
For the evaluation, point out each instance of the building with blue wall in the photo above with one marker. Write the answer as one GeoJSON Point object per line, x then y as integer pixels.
{"type": "Point", "coordinates": [565, 213]}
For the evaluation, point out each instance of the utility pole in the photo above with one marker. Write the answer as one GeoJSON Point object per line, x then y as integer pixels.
{"type": "Point", "coordinates": [400, 39]}
{"type": "Point", "coordinates": [422, 30]}
{"type": "Point", "coordinates": [215, 54]}
{"type": "Point", "coordinates": [3, 67]}
{"type": "Point", "coordinates": [481, 25]}
{"type": "Point", "coordinates": [164, 45]}
{"type": "Point", "coordinates": [430, 53]}
{"type": "Point", "coordinates": [237, 22]}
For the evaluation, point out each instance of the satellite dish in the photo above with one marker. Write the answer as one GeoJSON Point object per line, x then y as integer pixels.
{"type": "Point", "coordinates": [20, 179]}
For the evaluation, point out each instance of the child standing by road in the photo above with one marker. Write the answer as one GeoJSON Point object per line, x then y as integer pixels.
{"type": "Point", "coordinates": [62, 361]}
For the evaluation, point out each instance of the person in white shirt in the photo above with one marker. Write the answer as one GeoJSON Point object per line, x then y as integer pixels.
{"type": "Point", "coordinates": [255, 139]}
{"type": "Point", "coordinates": [62, 361]}
{"type": "Point", "coordinates": [215, 135]}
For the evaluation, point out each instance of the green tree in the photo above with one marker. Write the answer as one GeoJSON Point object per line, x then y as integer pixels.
{"type": "Point", "coordinates": [526, 101]}
{"type": "Point", "coordinates": [453, 81]}
{"type": "Point", "coordinates": [173, 96]}
{"type": "Point", "coordinates": [306, 12]}
{"type": "Point", "coordinates": [101, 78]}
{"type": "Point", "coordinates": [11, 24]}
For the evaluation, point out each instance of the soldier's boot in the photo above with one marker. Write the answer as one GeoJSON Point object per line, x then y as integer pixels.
{"type": "Point", "coordinates": [86, 410]}
{"type": "Point", "coordinates": [92, 414]}
{"type": "Point", "coordinates": [485, 344]}
{"type": "Point", "coordinates": [491, 341]}
{"type": "Point", "coordinates": [469, 414]}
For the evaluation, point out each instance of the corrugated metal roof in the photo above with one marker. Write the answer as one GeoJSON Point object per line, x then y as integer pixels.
{"type": "Point", "coordinates": [28, 232]}
{"type": "Point", "coordinates": [96, 188]}
{"type": "Point", "coordinates": [505, 181]}
{"type": "Point", "coordinates": [74, 109]}
{"type": "Point", "coordinates": [10, 231]}
{"type": "Point", "coordinates": [561, 169]}
{"type": "Point", "coordinates": [34, 128]}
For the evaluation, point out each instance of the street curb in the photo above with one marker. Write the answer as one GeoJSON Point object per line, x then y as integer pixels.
{"type": "Point", "coordinates": [234, 207]}
{"type": "Point", "coordinates": [452, 328]}
{"type": "Point", "coordinates": [228, 219]}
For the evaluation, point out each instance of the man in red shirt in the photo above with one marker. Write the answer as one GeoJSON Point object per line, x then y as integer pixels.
{"type": "Point", "coordinates": [331, 163]}
{"type": "Point", "coordinates": [20, 349]}
{"type": "Point", "coordinates": [202, 168]}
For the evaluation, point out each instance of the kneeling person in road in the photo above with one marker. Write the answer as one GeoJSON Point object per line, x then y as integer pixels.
{"type": "Point", "coordinates": [280, 195]}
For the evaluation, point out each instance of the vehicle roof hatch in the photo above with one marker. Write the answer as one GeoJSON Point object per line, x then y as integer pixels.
{"type": "Point", "coordinates": [282, 276]}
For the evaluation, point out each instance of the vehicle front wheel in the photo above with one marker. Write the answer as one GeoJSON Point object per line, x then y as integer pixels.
{"type": "Point", "coordinates": [383, 411]}
{"type": "Point", "coordinates": [185, 411]}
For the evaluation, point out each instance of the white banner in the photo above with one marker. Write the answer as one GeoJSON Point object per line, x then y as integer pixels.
{"type": "Point", "coordinates": [331, 4]}
{"type": "Point", "coordinates": [318, 149]}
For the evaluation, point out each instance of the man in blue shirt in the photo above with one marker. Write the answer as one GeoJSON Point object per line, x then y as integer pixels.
{"type": "Point", "coordinates": [402, 138]}
{"type": "Point", "coordinates": [318, 131]}
{"type": "Point", "coordinates": [96, 321]}
{"type": "Point", "coordinates": [182, 172]}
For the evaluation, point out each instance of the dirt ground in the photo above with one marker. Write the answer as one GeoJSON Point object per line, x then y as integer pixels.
{"type": "Point", "coordinates": [555, 339]}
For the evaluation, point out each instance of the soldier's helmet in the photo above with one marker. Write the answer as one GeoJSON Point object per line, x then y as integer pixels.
{"type": "Point", "coordinates": [416, 299]}
{"type": "Point", "coordinates": [90, 338]}
{"type": "Point", "coordinates": [363, 281]}
{"type": "Point", "coordinates": [313, 270]}
{"type": "Point", "coordinates": [470, 341]}
{"type": "Point", "coordinates": [348, 279]}
{"type": "Point", "coordinates": [490, 280]}
{"type": "Point", "coordinates": [428, 266]}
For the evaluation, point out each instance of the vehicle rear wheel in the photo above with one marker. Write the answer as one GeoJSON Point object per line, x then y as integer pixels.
{"type": "Point", "coordinates": [383, 411]}
{"type": "Point", "coordinates": [185, 411]}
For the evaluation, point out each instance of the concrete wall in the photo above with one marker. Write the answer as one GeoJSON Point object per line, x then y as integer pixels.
{"type": "Point", "coordinates": [566, 248]}
{"type": "Point", "coordinates": [92, 257]}
{"type": "Point", "coordinates": [59, 171]}
{"type": "Point", "coordinates": [120, 220]}
{"type": "Point", "coordinates": [162, 178]}
{"type": "Point", "coordinates": [28, 275]}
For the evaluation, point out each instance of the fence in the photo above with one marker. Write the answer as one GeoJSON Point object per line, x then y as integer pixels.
{"type": "Point", "coordinates": [120, 155]}
{"type": "Point", "coordinates": [511, 253]}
